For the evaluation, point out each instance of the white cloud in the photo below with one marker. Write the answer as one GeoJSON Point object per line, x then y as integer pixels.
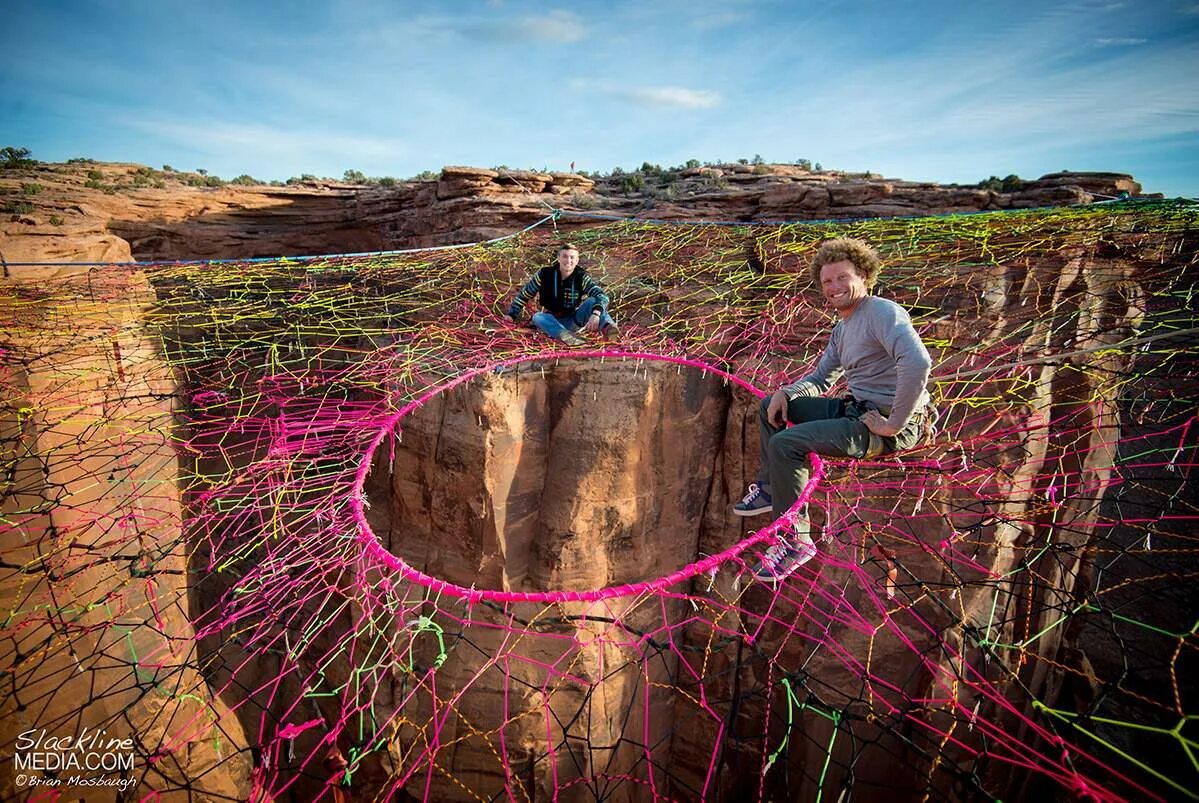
{"type": "Point", "coordinates": [272, 148]}
{"type": "Point", "coordinates": [668, 96]}
{"type": "Point", "coordinates": [1120, 41]}
{"type": "Point", "coordinates": [557, 26]}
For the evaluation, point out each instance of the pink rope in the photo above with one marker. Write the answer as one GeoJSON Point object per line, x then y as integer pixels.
{"type": "Point", "coordinates": [374, 548]}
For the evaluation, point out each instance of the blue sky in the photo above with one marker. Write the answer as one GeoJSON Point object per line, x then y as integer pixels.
{"type": "Point", "coordinates": [923, 90]}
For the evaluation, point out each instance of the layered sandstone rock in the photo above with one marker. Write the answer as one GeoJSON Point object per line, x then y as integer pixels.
{"type": "Point", "coordinates": [98, 636]}
{"type": "Point", "coordinates": [122, 216]}
{"type": "Point", "coordinates": [557, 475]}
{"type": "Point", "coordinates": [506, 484]}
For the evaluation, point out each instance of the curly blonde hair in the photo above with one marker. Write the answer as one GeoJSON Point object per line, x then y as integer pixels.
{"type": "Point", "coordinates": [864, 258]}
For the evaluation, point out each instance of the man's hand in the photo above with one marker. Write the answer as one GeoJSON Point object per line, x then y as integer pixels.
{"type": "Point", "coordinates": [593, 322]}
{"type": "Point", "coordinates": [875, 422]}
{"type": "Point", "coordinates": [776, 412]}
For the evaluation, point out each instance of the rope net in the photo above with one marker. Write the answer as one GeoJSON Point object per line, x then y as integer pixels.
{"type": "Point", "coordinates": [329, 527]}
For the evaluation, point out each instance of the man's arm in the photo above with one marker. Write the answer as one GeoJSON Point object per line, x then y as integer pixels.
{"type": "Point", "coordinates": [531, 288]}
{"type": "Point", "coordinates": [590, 288]}
{"type": "Point", "coordinates": [822, 378]}
{"type": "Point", "coordinates": [912, 363]}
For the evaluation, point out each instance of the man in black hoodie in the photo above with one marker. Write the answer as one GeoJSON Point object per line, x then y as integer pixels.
{"type": "Point", "coordinates": [570, 300]}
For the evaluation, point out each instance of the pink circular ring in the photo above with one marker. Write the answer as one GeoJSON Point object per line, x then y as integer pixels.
{"type": "Point", "coordinates": [370, 542]}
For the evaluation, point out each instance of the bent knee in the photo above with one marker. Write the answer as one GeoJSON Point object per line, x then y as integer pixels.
{"type": "Point", "coordinates": [789, 448]}
{"type": "Point", "coordinates": [764, 408]}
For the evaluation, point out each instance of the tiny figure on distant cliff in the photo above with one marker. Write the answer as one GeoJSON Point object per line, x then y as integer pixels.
{"type": "Point", "coordinates": [570, 300]}
{"type": "Point", "coordinates": [886, 367]}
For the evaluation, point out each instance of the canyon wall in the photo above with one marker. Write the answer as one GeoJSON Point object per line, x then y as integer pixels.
{"type": "Point", "coordinates": [98, 636]}
{"type": "Point", "coordinates": [202, 584]}
{"type": "Point", "coordinates": [69, 221]}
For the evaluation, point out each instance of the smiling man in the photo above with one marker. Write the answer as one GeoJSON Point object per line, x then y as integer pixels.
{"type": "Point", "coordinates": [886, 366]}
{"type": "Point", "coordinates": [570, 300]}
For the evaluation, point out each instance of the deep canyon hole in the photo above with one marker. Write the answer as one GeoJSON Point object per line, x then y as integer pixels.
{"type": "Point", "coordinates": [575, 473]}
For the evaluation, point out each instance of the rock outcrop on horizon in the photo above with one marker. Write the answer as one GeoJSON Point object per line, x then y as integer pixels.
{"type": "Point", "coordinates": [72, 216]}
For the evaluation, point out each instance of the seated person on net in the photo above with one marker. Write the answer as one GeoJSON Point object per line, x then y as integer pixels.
{"type": "Point", "coordinates": [570, 300]}
{"type": "Point", "coordinates": [887, 366]}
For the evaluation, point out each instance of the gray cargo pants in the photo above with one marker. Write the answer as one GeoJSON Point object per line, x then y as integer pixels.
{"type": "Point", "coordinates": [824, 426]}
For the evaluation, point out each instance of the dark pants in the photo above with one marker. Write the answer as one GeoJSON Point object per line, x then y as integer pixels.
{"type": "Point", "coordinates": [825, 426]}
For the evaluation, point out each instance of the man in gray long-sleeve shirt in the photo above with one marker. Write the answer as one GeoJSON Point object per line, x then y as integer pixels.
{"type": "Point", "coordinates": [886, 366]}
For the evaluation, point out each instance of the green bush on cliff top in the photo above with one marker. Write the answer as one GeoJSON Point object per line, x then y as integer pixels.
{"type": "Point", "coordinates": [15, 158]}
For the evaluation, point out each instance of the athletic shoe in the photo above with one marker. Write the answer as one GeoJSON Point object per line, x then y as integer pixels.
{"type": "Point", "coordinates": [755, 502]}
{"type": "Point", "coordinates": [611, 332]}
{"type": "Point", "coordinates": [781, 560]}
{"type": "Point", "coordinates": [571, 339]}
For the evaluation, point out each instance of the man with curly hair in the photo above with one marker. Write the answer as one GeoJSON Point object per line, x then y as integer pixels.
{"type": "Point", "coordinates": [886, 367]}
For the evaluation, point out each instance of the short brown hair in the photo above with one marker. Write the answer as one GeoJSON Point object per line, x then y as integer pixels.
{"type": "Point", "coordinates": [864, 258]}
{"type": "Point", "coordinates": [566, 247]}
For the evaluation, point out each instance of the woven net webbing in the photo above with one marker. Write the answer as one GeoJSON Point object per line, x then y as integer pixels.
{"type": "Point", "coordinates": [202, 545]}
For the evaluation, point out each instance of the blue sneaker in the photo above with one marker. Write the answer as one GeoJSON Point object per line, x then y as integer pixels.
{"type": "Point", "coordinates": [755, 502]}
{"type": "Point", "coordinates": [781, 560]}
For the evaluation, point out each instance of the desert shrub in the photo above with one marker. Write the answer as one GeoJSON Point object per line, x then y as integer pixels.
{"type": "Point", "coordinates": [584, 200]}
{"type": "Point", "coordinates": [1009, 183]}
{"type": "Point", "coordinates": [245, 180]}
{"type": "Point", "coordinates": [31, 188]}
{"type": "Point", "coordinates": [669, 192]}
{"type": "Point", "coordinates": [81, 160]}
{"type": "Point", "coordinates": [387, 181]}
{"type": "Point", "coordinates": [15, 158]}
{"type": "Point", "coordinates": [95, 175]}
{"type": "Point", "coordinates": [354, 177]}
{"type": "Point", "coordinates": [712, 183]}
{"type": "Point", "coordinates": [204, 181]}
{"type": "Point", "coordinates": [55, 220]}
{"type": "Point", "coordinates": [18, 207]}
{"type": "Point", "coordinates": [632, 182]}
{"type": "Point", "coordinates": [93, 183]}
